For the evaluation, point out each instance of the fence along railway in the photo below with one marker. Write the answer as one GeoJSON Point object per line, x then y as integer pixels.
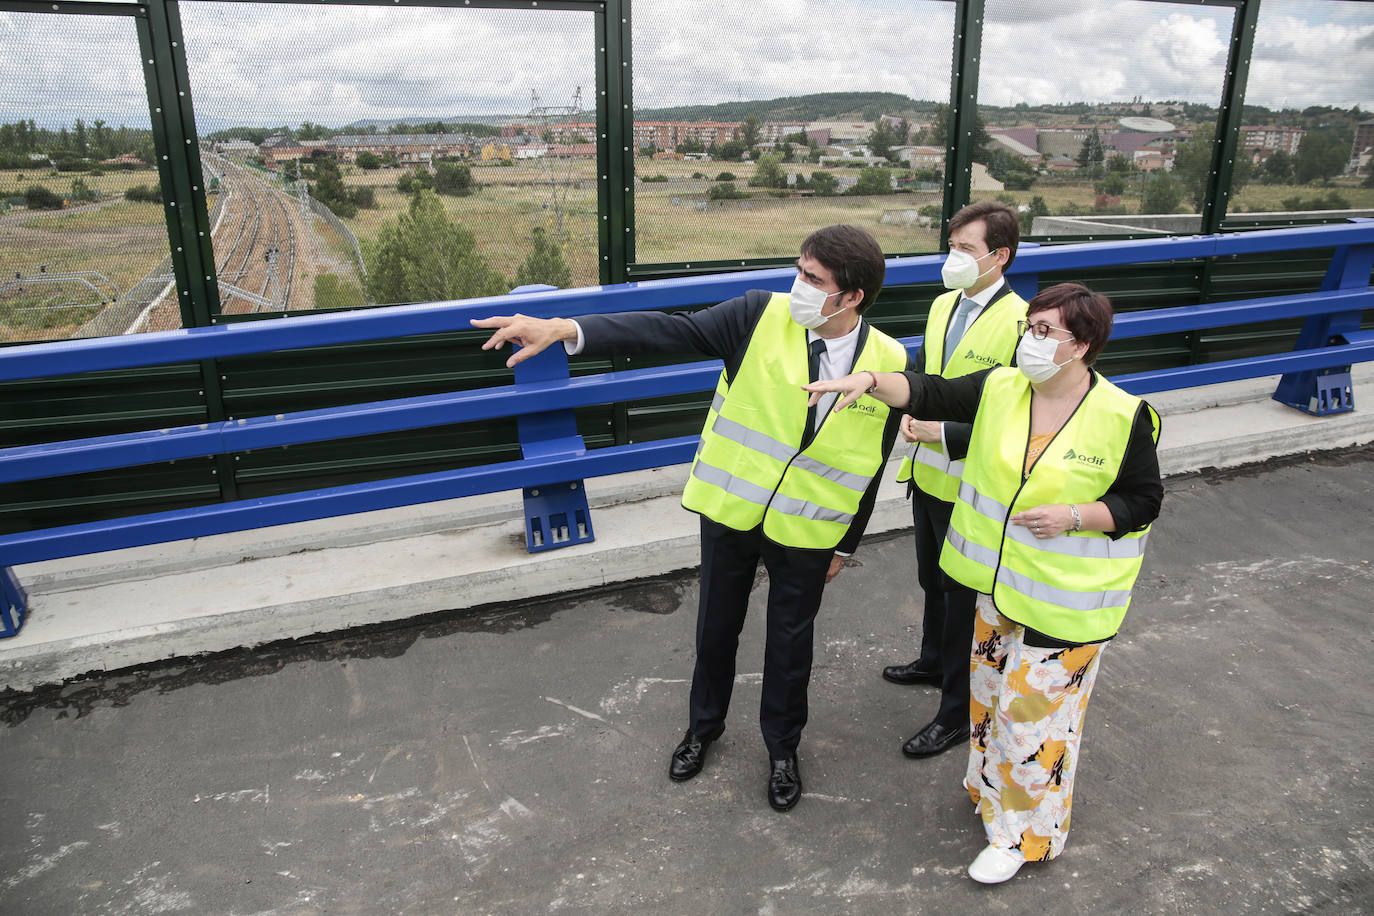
{"type": "Point", "coordinates": [261, 242]}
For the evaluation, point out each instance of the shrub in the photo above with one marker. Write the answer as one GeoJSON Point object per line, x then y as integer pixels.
{"type": "Point", "coordinates": [144, 194]}
{"type": "Point", "coordinates": [418, 180]}
{"type": "Point", "coordinates": [726, 176]}
{"type": "Point", "coordinates": [333, 293]}
{"type": "Point", "coordinates": [544, 263]}
{"type": "Point", "coordinates": [82, 192]}
{"type": "Point", "coordinates": [1331, 201]}
{"type": "Point", "coordinates": [873, 180]}
{"type": "Point", "coordinates": [363, 198]}
{"type": "Point", "coordinates": [724, 191]}
{"type": "Point", "coordinates": [453, 179]}
{"type": "Point", "coordinates": [650, 179]}
{"type": "Point", "coordinates": [38, 197]}
{"type": "Point", "coordinates": [823, 184]}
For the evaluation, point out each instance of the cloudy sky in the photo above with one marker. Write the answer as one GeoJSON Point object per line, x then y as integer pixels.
{"type": "Point", "coordinates": [273, 63]}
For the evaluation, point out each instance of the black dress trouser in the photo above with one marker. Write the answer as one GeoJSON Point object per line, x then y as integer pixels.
{"type": "Point", "coordinates": [947, 628]}
{"type": "Point", "coordinates": [796, 581]}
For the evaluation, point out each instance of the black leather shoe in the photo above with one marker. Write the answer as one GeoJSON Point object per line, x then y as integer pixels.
{"type": "Point", "coordinates": [911, 674]}
{"type": "Point", "coordinates": [934, 739]}
{"type": "Point", "coordinates": [688, 757]}
{"type": "Point", "coordinates": [784, 784]}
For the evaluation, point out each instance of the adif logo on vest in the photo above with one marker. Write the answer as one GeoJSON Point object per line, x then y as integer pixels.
{"type": "Point", "coordinates": [1071, 455]}
{"type": "Point", "coordinates": [869, 409]}
{"type": "Point", "coordinates": [982, 358]}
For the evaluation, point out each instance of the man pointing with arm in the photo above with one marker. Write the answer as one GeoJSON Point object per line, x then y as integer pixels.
{"type": "Point", "coordinates": [774, 481]}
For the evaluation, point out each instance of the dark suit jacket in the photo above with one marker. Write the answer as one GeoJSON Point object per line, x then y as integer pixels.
{"type": "Point", "coordinates": [722, 332]}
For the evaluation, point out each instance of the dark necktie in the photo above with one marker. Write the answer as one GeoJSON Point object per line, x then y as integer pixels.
{"type": "Point", "coordinates": [956, 328]}
{"type": "Point", "coordinates": [813, 370]}
{"type": "Point", "coordinates": [813, 366]}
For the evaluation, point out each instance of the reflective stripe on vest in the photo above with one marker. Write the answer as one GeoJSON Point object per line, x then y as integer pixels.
{"type": "Point", "coordinates": [989, 341]}
{"type": "Point", "coordinates": [1077, 585]}
{"type": "Point", "coordinates": [760, 442]}
{"type": "Point", "coordinates": [749, 468]}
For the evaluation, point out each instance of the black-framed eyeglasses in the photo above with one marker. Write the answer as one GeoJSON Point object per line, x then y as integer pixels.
{"type": "Point", "coordinates": [1039, 330]}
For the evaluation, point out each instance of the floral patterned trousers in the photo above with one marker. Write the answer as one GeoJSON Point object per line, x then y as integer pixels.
{"type": "Point", "coordinates": [1026, 723]}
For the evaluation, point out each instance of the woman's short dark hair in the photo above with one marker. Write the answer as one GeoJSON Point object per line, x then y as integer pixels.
{"type": "Point", "coordinates": [1001, 226]}
{"type": "Point", "coordinates": [1085, 314]}
{"type": "Point", "coordinates": [853, 256]}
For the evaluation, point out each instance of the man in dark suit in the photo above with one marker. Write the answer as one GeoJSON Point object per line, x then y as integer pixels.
{"type": "Point", "coordinates": [971, 327]}
{"type": "Point", "coordinates": [773, 480]}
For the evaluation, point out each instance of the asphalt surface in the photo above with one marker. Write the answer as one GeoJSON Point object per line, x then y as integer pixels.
{"type": "Point", "coordinates": [512, 759]}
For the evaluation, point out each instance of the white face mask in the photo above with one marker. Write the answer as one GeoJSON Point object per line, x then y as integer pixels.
{"type": "Point", "coordinates": [1035, 358]}
{"type": "Point", "coordinates": [806, 302]}
{"type": "Point", "coordinates": [960, 270]}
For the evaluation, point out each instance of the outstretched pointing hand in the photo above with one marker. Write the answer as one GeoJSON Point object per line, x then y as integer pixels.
{"type": "Point", "coordinates": [531, 335]}
{"type": "Point", "coordinates": [849, 388]}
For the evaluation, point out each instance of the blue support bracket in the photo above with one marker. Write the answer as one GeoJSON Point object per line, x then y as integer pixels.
{"type": "Point", "coordinates": [1335, 393]}
{"type": "Point", "coordinates": [14, 603]}
{"type": "Point", "coordinates": [556, 515]}
{"type": "Point", "coordinates": [1329, 390]}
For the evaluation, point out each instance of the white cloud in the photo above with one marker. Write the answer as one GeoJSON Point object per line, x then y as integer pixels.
{"type": "Point", "coordinates": [1299, 62]}
{"type": "Point", "coordinates": [1104, 52]}
{"type": "Point", "coordinates": [278, 63]}
{"type": "Point", "coordinates": [703, 52]}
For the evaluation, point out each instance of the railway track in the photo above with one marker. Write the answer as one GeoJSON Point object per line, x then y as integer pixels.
{"type": "Point", "coordinates": [256, 269]}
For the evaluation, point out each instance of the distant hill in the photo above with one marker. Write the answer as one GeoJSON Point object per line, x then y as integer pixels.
{"type": "Point", "coordinates": [821, 106]}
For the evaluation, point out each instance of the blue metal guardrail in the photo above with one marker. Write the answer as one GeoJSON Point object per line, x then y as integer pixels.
{"type": "Point", "coordinates": [1315, 378]}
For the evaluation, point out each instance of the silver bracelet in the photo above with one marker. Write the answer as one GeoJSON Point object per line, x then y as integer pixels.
{"type": "Point", "coordinates": [1077, 519]}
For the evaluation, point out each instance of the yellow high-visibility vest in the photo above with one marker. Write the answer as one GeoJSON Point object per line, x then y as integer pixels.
{"type": "Point", "coordinates": [990, 341]}
{"type": "Point", "coordinates": [750, 466]}
{"type": "Point", "coordinates": [1076, 586]}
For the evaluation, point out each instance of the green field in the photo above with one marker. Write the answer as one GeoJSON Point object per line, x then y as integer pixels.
{"type": "Point", "coordinates": [674, 223]}
{"type": "Point", "coordinates": [119, 239]}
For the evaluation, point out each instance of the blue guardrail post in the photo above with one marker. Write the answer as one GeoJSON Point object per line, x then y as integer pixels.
{"type": "Point", "coordinates": [14, 603]}
{"type": "Point", "coordinates": [1328, 391]}
{"type": "Point", "coordinates": [556, 515]}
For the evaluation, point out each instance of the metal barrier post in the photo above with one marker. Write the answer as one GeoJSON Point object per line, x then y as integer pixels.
{"type": "Point", "coordinates": [1028, 284]}
{"type": "Point", "coordinates": [1327, 391]}
{"type": "Point", "coordinates": [556, 515]}
{"type": "Point", "coordinates": [14, 603]}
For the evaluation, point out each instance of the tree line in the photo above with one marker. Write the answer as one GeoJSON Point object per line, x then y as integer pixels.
{"type": "Point", "coordinates": [94, 141]}
{"type": "Point", "coordinates": [308, 130]}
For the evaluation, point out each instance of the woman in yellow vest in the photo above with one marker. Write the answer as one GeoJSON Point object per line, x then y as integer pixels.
{"type": "Point", "coordinates": [1060, 486]}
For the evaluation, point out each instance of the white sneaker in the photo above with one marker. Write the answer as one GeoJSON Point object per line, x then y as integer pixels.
{"type": "Point", "coordinates": [994, 865]}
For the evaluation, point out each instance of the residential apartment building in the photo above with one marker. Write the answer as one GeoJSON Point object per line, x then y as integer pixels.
{"type": "Point", "coordinates": [668, 134]}
{"type": "Point", "coordinates": [1272, 138]}
{"type": "Point", "coordinates": [408, 149]}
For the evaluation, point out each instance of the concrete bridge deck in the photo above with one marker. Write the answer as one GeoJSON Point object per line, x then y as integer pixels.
{"type": "Point", "coordinates": [509, 756]}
